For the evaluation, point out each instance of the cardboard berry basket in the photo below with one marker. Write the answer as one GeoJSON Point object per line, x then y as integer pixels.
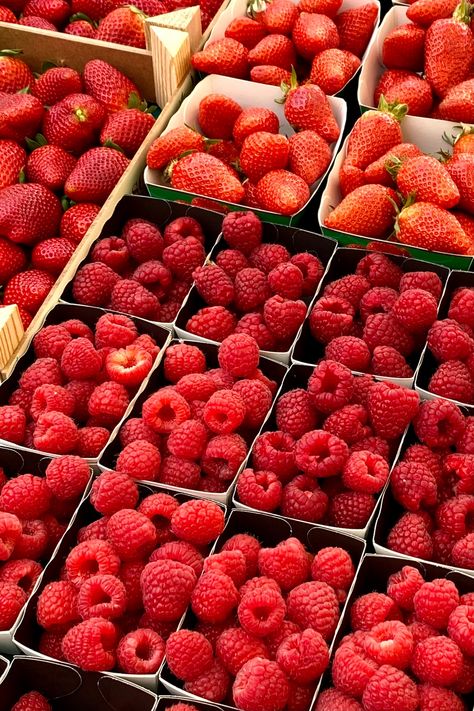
{"type": "Point", "coordinates": [373, 576]}
{"type": "Point", "coordinates": [89, 315]}
{"type": "Point", "coordinates": [428, 135]}
{"type": "Point", "coordinates": [296, 241]}
{"type": "Point", "coordinates": [160, 212]}
{"type": "Point", "coordinates": [247, 94]}
{"type": "Point", "coordinates": [157, 381]}
{"type": "Point", "coordinates": [297, 377]}
{"type": "Point", "coordinates": [14, 462]}
{"type": "Point", "coordinates": [270, 530]}
{"type": "Point", "coordinates": [28, 632]}
{"type": "Point", "coordinates": [166, 702]}
{"type": "Point", "coordinates": [70, 689]}
{"type": "Point", "coordinates": [308, 351]}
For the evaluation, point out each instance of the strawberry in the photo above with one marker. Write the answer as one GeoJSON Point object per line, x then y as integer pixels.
{"type": "Point", "coordinates": [6, 15]}
{"type": "Point", "coordinates": [12, 160]}
{"type": "Point", "coordinates": [332, 69]}
{"type": "Point", "coordinates": [12, 260]}
{"type": "Point", "coordinates": [400, 86]}
{"type": "Point", "coordinates": [375, 133]}
{"type": "Point", "coordinates": [428, 179]}
{"type": "Point", "coordinates": [126, 25]}
{"type": "Point", "coordinates": [109, 85]}
{"type": "Point", "coordinates": [226, 151]}
{"type": "Point", "coordinates": [307, 108]}
{"type": "Point", "coordinates": [250, 199]}
{"type": "Point", "coordinates": [246, 31]}
{"type": "Point", "coordinates": [356, 26]}
{"type": "Point", "coordinates": [464, 143]}
{"type": "Point", "coordinates": [309, 157]}
{"type": "Point", "coordinates": [461, 170]}
{"type": "Point", "coordinates": [279, 17]}
{"type": "Point", "coordinates": [52, 255]}
{"type": "Point", "coordinates": [28, 289]}
{"type": "Point", "coordinates": [262, 152]}
{"type": "Point", "coordinates": [403, 48]}
{"type": "Point", "coordinates": [93, 9]}
{"type": "Point", "coordinates": [50, 166]}
{"type": "Point", "coordinates": [15, 5]}
{"type": "Point", "coordinates": [270, 74]}
{"type": "Point", "coordinates": [76, 221]}
{"type": "Point", "coordinates": [351, 177]}
{"type": "Point", "coordinates": [152, 8]}
{"type": "Point", "coordinates": [126, 129]}
{"type": "Point", "coordinates": [458, 104]}
{"type": "Point", "coordinates": [313, 34]}
{"type": "Point", "coordinates": [431, 227]}
{"type": "Point", "coordinates": [323, 7]}
{"type": "Point", "coordinates": [39, 22]}
{"type": "Point", "coordinates": [377, 171]}
{"type": "Point", "coordinates": [255, 119]}
{"type": "Point", "coordinates": [54, 11]}
{"type": "Point", "coordinates": [55, 84]}
{"type": "Point", "coordinates": [172, 144]}
{"type": "Point", "coordinates": [467, 224]}
{"type": "Point", "coordinates": [277, 50]}
{"type": "Point", "coordinates": [96, 174]}
{"type": "Point", "coordinates": [14, 73]}
{"type": "Point", "coordinates": [425, 12]}
{"type": "Point", "coordinates": [368, 211]}
{"type": "Point", "coordinates": [20, 116]}
{"type": "Point", "coordinates": [208, 176]}
{"type": "Point", "coordinates": [282, 192]}
{"type": "Point", "coordinates": [81, 28]}
{"type": "Point", "coordinates": [225, 56]}
{"type": "Point", "coordinates": [28, 213]}
{"type": "Point", "coordinates": [74, 122]}
{"type": "Point", "coordinates": [217, 115]}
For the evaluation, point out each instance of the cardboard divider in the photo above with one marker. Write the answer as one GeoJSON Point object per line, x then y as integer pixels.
{"type": "Point", "coordinates": [309, 351]}
{"type": "Point", "coordinates": [273, 370]}
{"type": "Point", "coordinates": [70, 689]}
{"type": "Point", "coordinates": [296, 241]}
{"type": "Point", "coordinates": [89, 315]}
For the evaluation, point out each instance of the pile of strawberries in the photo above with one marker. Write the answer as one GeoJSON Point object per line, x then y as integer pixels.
{"type": "Point", "coordinates": [391, 190]}
{"type": "Point", "coordinates": [253, 287]}
{"type": "Point", "coordinates": [195, 431]}
{"type": "Point", "coordinates": [88, 133]}
{"type": "Point", "coordinates": [79, 387]}
{"type": "Point", "coordinates": [264, 619]}
{"type": "Point", "coordinates": [34, 513]}
{"type": "Point", "coordinates": [323, 44]}
{"type": "Point", "coordinates": [429, 61]}
{"type": "Point", "coordinates": [371, 321]}
{"type": "Point", "coordinates": [326, 452]}
{"type": "Point", "coordinates": [434, 484]}
{"type": "Point", "coordinates": [409, 648]}
{"type": "Point", "coordinates": [129, 578]}
{"type": "Point", "coordinates": [275, 172]}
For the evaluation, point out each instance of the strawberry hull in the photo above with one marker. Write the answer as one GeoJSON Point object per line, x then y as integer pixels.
{"type": "Point", "coordinates": [70, 688]}
{"type": "Point", "coordinates": [308, 351]}
{"type": "Point", "coordinates": [247, 94]}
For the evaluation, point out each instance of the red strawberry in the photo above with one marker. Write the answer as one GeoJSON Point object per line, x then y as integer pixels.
{"type": "Point", "coordinates": [81, 28]}
{"type": "Point", "coordinates": [458, 104]}
{"type": "Point", "coordinates": [375, 133]}
{"type": "Point", "coordinates": [15, 5]}
{"type": "Point", "coordinates": [6, 15]}
{"type": "Point", "coordinates": [55, 84]}
{"type": "Point", "coordinates": [262, 152]}
{"type": "Point", "coordinates": [464, 143]}
{"type": "Point", "coordinates": [49, 166]}
{"type": "Point", "coordinates": [53, 254]}
{"type": "Point", "coordinates": [377, 171]}
{"type": "Point", "coordinates": [307, 108]}
{"type": "Point", "coordinates": [54, 11]}
{"type": "Point", "coordinates": [426, 225]}
{"type": "Point", "coordinates": [351, 177]}
{"type": "Point", "coordinates": [270, 74]}
{"type": "Point", "coordinates": [461, 170]}
{"type": "Point", "coordinates": [277, 50]}
{"type": "Point", "coordinates": [12, 161]}
{"type": "Point", "coordinates": [172, 144]}
{"type": "Point", "coordinates": [39, 22]}
{"type": "Point", "coordinates": [126, 25]}
{"type": "Point", "coordinates": [74, 122]}
{"type": "Point", "coordinates": [225, 56]}
{"type": "Point", "coordinates": [28, 289]}
{"type": "Point", "coordinates": [313, 34]}
{"type": "Point", "coordinates": [96, 174]}
{"type": "Point", "coordinates": [279, 17]}
{"type": "Point", "coordinates": [20, 116]}
{"type": "Point", "coordinates": [127, 129]}
{"type": "Point", "coordinates": [217, 115]}
{"type": "Point", "coordinates": [94, 9]}
{"type": "Point", "coordinates": [425, 12]}
{"type": "Point", "coordinates": [323, 7]}
{"type": "Point", "coordinates": [403, 48]}
{"type": "Point", "coordinates": [467, 223]}
{"type": "Point", "coordinates": [150, 7]}
{"type": "Point", "coordinates": [203, 174]}
{"type": "Point", "coordinates": [109, 86]}
{"type": "Point", "coordinates": [332, 69]}
{"type": "Point", "coordinates": [310, 155]}
{"type": "Point", "coordinates": [400, 86]}
{"type": "Point", "coordinates": [356, 26]}
{"type": "Point", "coordinates": [255, 119]}
{"type": "Point", "coordinates": [208, 10]}
{"type": "Point", "coordinates": [76, 221]}
{"type": "Point", "coordinates": [28, 213]}
{"type": "Point", "coordinates": [14, 73]}
{"type": "Point", "coordinates": [12, 260]}
{"type": "Point", "coordinates": [250, 198]}
{"type": "Point", "coordinates": [226, 151]}
{"type": "Point", "coordinates": [368, 211]}
{"type": "Point", "coordinates": [282, 192]}
{"type": "Point", "coordinates": [428, 179]}
{"type": "Point", "coordinates": [246, 31]}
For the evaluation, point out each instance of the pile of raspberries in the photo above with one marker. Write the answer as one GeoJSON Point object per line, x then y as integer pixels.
{"type": "Point", "coordinates": [375, 319]}
{"type": "Point", "coordinates": [411, 648]}
{"type": "Point", "coordinates": [195, 432]}
{"type": "Point", "coordinates": [34, 513]}
{"type": "Point", "coordinates": [79, 387]}
{"type": "Point", "coordinates": [144, 272]}
{"type": "Point", "coordinates": [252, 287]}
{"type": "Point", "coordinates": [434, 483]}
{"type": "Point", "coordinates": [264, 620]}
{"type": "Point", "coordinates": [129, 579]}
{"type": "Point", "coordinates": [331, 451]}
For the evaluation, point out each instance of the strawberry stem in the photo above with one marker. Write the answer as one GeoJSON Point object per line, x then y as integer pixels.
{"type": "Point", "coordinates": [397, 110]}
{"type": "Point", "coordinates": [463, 12]}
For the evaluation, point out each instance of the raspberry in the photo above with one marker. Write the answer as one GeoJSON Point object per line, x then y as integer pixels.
{"type": "Point", "coordinates": [51, 341]}
{"type": "Point", "coordinates": [26, 496]}
{"type": "Point", "coordinates": [67, 477]}
{"type": "Point", "coordinates": [92, 557]}
{"type": "Point", "coordinates": [148, 344]}
{"type": "Point", "coordinates": [91, 644]}
{"type": "Point", "coordinates": [411, 537]}
{"type": "Point", "coordinates": [44, 371]}
{"type": "Point", "coordinates": [128, 366]}
{"type": "Point", "coordinates": [140, 460]}
{"type": "Point", "coordinates": [108, 403]}
{"type": "Point", "coordinates": [242, 231]}
{"type": "Point", "coordinates": [232, 563]}
{"type": "Point", "coordinates": [165, 410]}
{"type": "Point", "coordinates": [333, 566]}
{"type": "Point", "coordinates": [422, 454]}
{"type": "Point", "coordinates": [154, 276]}
{"type": "Point", "coordinates": [416, 310]}
{"type": "Point", "coordinates": [188, 440]}
{"type": "Point", "coordinates": [350, 288]}
{"type": "Point", "coordinates": [379, 299]}
{"type": "Point", "coordinates": [303, 499]}
{"type": "Point", "coordinates": [438, 423]}
{"type": "Point", "coordinates": [465, 443]}
{"type": "Point", "coordinates": [462, 552]}
{"type": "Point", "coordinates": [438, 661]}
{"type": "Point", "coordinates": [47, 398]}
{"type": "Point", "coordinates": [294, 413]}
{"type": "Point", "coordinates": [251, 289]}
{"type": "Point", "coordinates": [429, 281]}
{"type": "Point", "coordinates": [387, 361]}
{"type": "Point", "coordinates": [372, 609]}
{"type": "Point", "coordinates": [22, 572]}
{"type": "Point", "coordinates": [140, 652]}
{"type": "Point", "coordinates": [389, 642]}
{"type": "Point", "coordinates": [91, 441]}
{"type": "Point", "coordinates": [287, 563]}
{"type": "Point", "coordinates": [391, 408]}
{"type": "Point", "coordinates": [434, 698]}
{"type": "Point", "coordinates": [435, 601]}
{"type": "Point", "coordinates": [253, 325]}
{"type": "Point", "coordinates": [197, 386]}
{"type": "Point", "coordinates": [384, 330]}
{"type": "Point", "coordinates": [321, 454]}
{"type": "Point", "coordinates": [32, 701]}
{"type": "Point", "coordinates": [238, 355]}
{"type": "Point", "coordinates": [366, 472]}
{"type": "Point", "coordinates": [268, 256]}
{"type": "Point", "coordinates": [260, 685]}
{"type": "Point", "coordinates": [465, 682]}
{"type": "Point", "coordinates": [461, 305]}
{"type": "Point", "coordinates": [223, 456]}
{"type": "Point", "coordinates": [286, 280]}
{"type": "Point", "coordinates": [312, 270]}
{"type": "Point", "coordinates": [330, 318]}
{"type": "Point", "coordinates": [102, 596]}
{"type": "Point", "coordinates": [159, 508]}
{"type": "Point", "coordinates": [260, 490]}
{"type": "Point", "coordinates": [214, 597]}
{"type": "Point", "coordinates": [131, 297]}
{"type": "Point", "coordinates": [212, 685]}
{"type": "Point", "coordinates": [135, 428]}
{"type": "Point", "coordinates": [390, 688]}
{"type": "Point", "coordinates": [113, 252]}
{"type": "Point", "coordinates": [303, 656]}
{"type": "Point", "coordinates": [183, 257]}
{"type": "Point", "coordinates": [12, 424]}
{"type": "Point", "coordinates": [443, 543]}
{"type": "Point", "coordinates": [231, 261]}
{"type": "Point", "coordinates": [80, 360]}
{"type": "Point", "coordinates": [352, 668]}
{"type": "Point", "coordinates": [166, 587]}
{"type": "Point", "coordinates": [333, 699]}
{"type": "Point", "coordinates": [81, 390]}
{"type": "Point", "coordinates": [403, 585]}
{"type": "Point", "coordinates": [235, 647]}
{"type": "Point", "coordinates": [112, 491]}
{"type": "Point", "coordinates": [180, 472]}
{"type": "Point", "coordinates": [349, 423]}
{"type": "Point", "coordinates": [144, 240]}
{"type": "Point", "coordinates": [13, 599]}
{"type": "Point", "coordinates": [188, 654]}
{"type": "Point", "coordinates": [275, 451]}
{"type": "Point", "coordinates": [413, 486]}
{"type": "Point", "coordinates": [224, 412]}
{"type": "Point", "coordinates": [380, 270]}
{"type": "Point", "coordinates": [181, 552]}
{"type": "Point", "coordinates": [314, 604]}
{"type": "Point", "coordinates": [350, 351]}
{"type": "Point", "coordinates": [460, 628]}
{"type": "Point", "coordinates": [448, 341]}
{"type": "Point", "coordinates": [257, 398]}
{"type": "Point", "coordinates": [93, 284]}
{"type": "Point", "coordinates": [330, 386]}
{"type": "Point", "coordinates": [213, 285]}
{"type": "Point", "coordinates": [22, 398]}
{"type": "Point", "coordinates": [33, 540]}
{"type": "Point", "coordinates": [284, 316]}
{"type": "Point", "coordinates": [460, 470]}
{"type": "Point", "coordinates": [453, 380]}
{"type": "Point", "coordinates": [261, 611]}
{"type": "Point", "coordinates": [249, 546]}
{"type": "Point", "coordinates": [183, 359]}
{"type": "Point", "coordinates": [198, 521]}
{"type": "Point", "coordinates": [50, 645]}
{"type": "Point", "coordinates": [131, 533]}
{"type": "Point", "coordinates": [213, 322]}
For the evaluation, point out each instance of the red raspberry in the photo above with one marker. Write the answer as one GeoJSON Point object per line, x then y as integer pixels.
{"type": "Point", "coordinates": [261, 611]}
{"type": "Point", "coordinates": [303, 656]}
{"type": "Point", "coordinates": [314, 604]}
{"type": "Point", "coordinates": [81, 390]}
{"type": "Point", "coordinates": [22, 572]}
{"type": "Point", "coordinates": [351, 288]}
{"type": "Point", "coordinates": [95, 530]}
{"type": "Point", "coordinates": [188, 440]}
{"type": "Point", "coordinates": [144, 240]}
{"type": "Point", "coordinates": [238, 355]}
{"type": "Point", "coordinates": [135, 428]}
{"type": "Point", "coordinates": [268, 256]}
{"type": "Point", "coordinates": [438, 423]}
{"type": "Point", "coordinates": [131, 297]}
{"type": "Point", "coordinates": [380, 270]}
{"type": "Point", "coordinates": [372, 609]}
{"type": "Point", "coordinates": [33, 540]}
{"type": "Point", "coordinates": [251, 289]}
{"type": "Point", "coordinates": [131, 533]}
{"type": "Point", "coordinates": [461, 554]}
{"type": "Point", "coordinates": [113, 491]}
{"type": "Point", "coordinates": [213, 285]}
{"type": "Point", "coordinates": [295, 414]}
{"type": "Point", "coordinates": [287, 281]}
{"type": "Point", "coordinates": [57, 606]}
{"type": "Point", "coordinates": [212, 685]}
{"type": "Point", "coordinates": [242, 231]}
{"type": "Point", "coordinates": [453, 380]}
{"type": "Point", "coordinates": [67, 477]}
{"type": "Point", "coordinates": [321, 454]}
{"type": "Point", "coordinates": [113, 252]}
{"type": "Point", "coordinates": [22, 398]}
{"type": "Point", "coordinates": [26, 496]}
{"type": "Point", "coordinates": [102, 596]}
{"type": "Point", "coordinates": [12, 424]}
{"type": "Point", "coordinates": [78, 329]}
{"type": "Point", "coordinates": [330, 386]}
{"type": "Point", "coordinates": [180, 472]}
{"type": "Point", "coordinates": [389, 362]}
{"type": "Point", "coordinates": [91, 441]}
{"type": "Point", "coordinates": [47, 398]}
{"type": "Point", "coordinates": [351, 509]}
{"type": "Point", "coordinates": [166, 587]}
{"type": "Point", "coordinates": [422, 454]}
{"type": "Point", "coordinates": [140, 460]}
{"type": "Point", "coordinates": [260, 685]}
{"type": "Point", "coordinates": [366, 472]}
{"type": "Point", "coordinates": [413, 486]}
{"type": "Point", "coordinates": [333, 699]}
{"type": "Point", "coordinates": [403, 585]}
{"type": "Point", "coordinates": [197, 386]}
{"type": "Point", "coordinates": [435, 601]}
{"type": "Point", "coordinates": [232, 563]}
{"type": "Point", "coordinates": [155, 277]}
{"type": "Point", "coordinates": [249, 546]}
{"type": "Point", "coordinates": [460, 470]}
{"type": "Point", "coordinates": [188, 654]}
{"type": "Point", "coordinates": [148, 344]}
{"type": "Point", "coordinates": [349, 423]}
{"type": "Point", "coordinates": [350, 351]}
{"type": "Point", "coordinates": [437, 661]}
{"type": "Point", "coordinates": [391, 408]}
{"type": "Point", "coordinates": [140, 652]}
{"type": "Point", "coordinates": [448, 341]}
{"type": "Point", "coordinates": [284, 316]}
{"type": "Point", "coordinates": [93, 284]}
{"type": "Point", "coordinates": [465, 683]}
{"type": "Point", "coordinates": [198, 521]}
{"type": "Point", "coordinates": [181, 552]}
{"type": "Point", "coordinates": [80, 360]}
{"type": "Point", "coordinates": [303, 499]}
{"type": "Point", "coordinates": [51, 341]}
{"type": "Point", "coordinates": [260, 490]}
{"type": "Point", "coordinates": [90, 558]}
{"type": "Point", "coordinates": [389, 642]}
{"type": "Point", "coordinates": [379, 299]}
{"type": "Point", "coordinates": [213, 322]}
{"type": "Point", "coordinates": [108, 403]}
{"type": "Point", "coordinates": [91, 644]}
{"type": "Point", "coordinates": [214, 597]}
{"type": "Point", "coordinates": [443, 543]}
{"type": "Point", "coordinates": [434, 698]}
{"type": "Point", "coordinates": [384, 330]}
{"type": "Point", "coordinates": [273, 641]}
{"type": "Point", "coordinates": [352, 669]}
{"type": "Point", "coordinates": [253, 325]}
{"type": "Point", "coordinates": [128, 366]}
{"type": "Point", "coordinates": [223, 456]}
{"type": "Point", "coordinates": [465, 443]}
{"type": "Point", "coordinates": [390, 688]}
{"type": "Point", "coordinates": [416, 310]}
{"type": "Point", "coordinates": [287, 563]}
{"type": "Point", "coordinates": [130, 577]}
{"type": "Point", "coordinates": [235, 647]}
{"type": "Point", "coordinates": [13, 599]}
{"type": "Point", "coordinates": [333, 566]}
{"type": "Point", "coordinates": [165, 410]}
{"type": "Point", "coordinates": [429, 281]}
{"type": "Point", "coordinates": [32, 701]}
{"type": "Point", "coordinates": [183, 359]}
{"type": "Point", "coordinates": [257, 398]}
{"type": "Point", "coordinates": [312, 270]}
{"type": "Point", "coordinates": [411, 537]}
{"type": "Point", "coordinates": [231, 261]}
{"type": "Point", "coordinates": [330, 318]}
{"type": "Point", "coordinates": [183, 257]}
{"type": "Point", "coordinates": [275, 451]}
{"type": "Point", "coordinates": [44, 371]}
{"type": "Point", "coordinates": [224, 412]}
{"type": "Point", "coordinates": [460, 628]}
{"type": "Point", "coordinates": [461, 305]}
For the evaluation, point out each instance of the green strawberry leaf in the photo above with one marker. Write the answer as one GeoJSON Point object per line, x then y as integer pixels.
{"type": "Point", "coordinates": [83, 16]}
{"type": "Point", "coordinates": [10, 52]}
{"type": "Point", "coordinates": [47, 65]}
{"type": "Point", "coordinates": [22, 176]}
{"type": "Point", "coordinates": [110, 144]}
{"type": "Point", "coordinates": [66, 203]}
{"type": "Point", "coordinates": [135, 102]}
